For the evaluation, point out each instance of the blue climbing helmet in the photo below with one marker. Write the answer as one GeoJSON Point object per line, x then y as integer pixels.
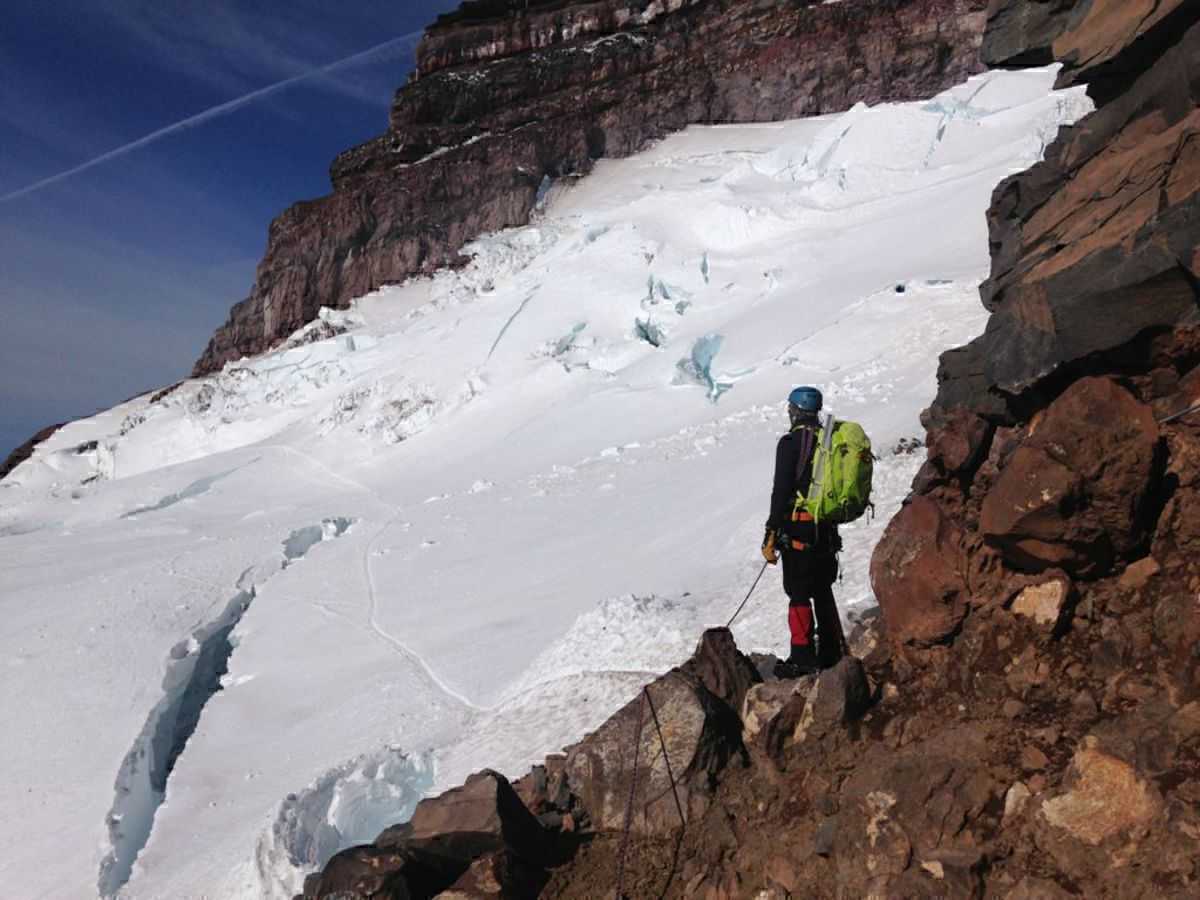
{"type": "Point", "coordinates": [806, 399]}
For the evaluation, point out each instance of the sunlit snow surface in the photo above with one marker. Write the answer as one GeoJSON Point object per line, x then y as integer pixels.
{"type": "Point", "coordinates": [545, 474]}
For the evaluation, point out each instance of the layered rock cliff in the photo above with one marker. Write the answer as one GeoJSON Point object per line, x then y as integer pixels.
{"type": "Point", "coordinates": [1025, 719]}
{"type": "Point", "coordinates": [1064, 457]}
{"type": "Point", "coordinates": [1051, 447]}
{"type": "Point", "coordinates": [509, 95]}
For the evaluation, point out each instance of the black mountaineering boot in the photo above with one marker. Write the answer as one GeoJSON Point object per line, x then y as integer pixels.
{"type": "Point", "coordinates": [803, 661]}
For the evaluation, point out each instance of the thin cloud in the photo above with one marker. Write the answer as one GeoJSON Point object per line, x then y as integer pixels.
{"type": "Point", "coordinates": [227, 49]}
{"type": "Point", "coordinates": [213, 113]}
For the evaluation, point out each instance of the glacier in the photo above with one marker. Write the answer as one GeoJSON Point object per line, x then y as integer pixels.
{"type": "Point", "coordinates": [533, 511]}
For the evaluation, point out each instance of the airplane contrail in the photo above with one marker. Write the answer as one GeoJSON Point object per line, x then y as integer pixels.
{"type": "Point", "coordinates": [208, 115]}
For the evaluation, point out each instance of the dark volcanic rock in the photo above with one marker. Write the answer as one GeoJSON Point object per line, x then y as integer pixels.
{"type": "Point", "coordinates": [701, 734]}
{"type": "Point", "coordinates": [477, 837]}
{"type": "Point", "coordinates": [484, 815]}
{"type": "Point", "coordinates": [1093, 247]}
{"type": "Point", "coordinates": [383, 873]}
{"type": "Point", "coordinates": [1101, 43]}
{"type": "Point", "coordinates": [1076, 507]}
{"type": "Point", "coordinates": [25, 451]}
{"type": "Point", "coordinates": [1021, 34]}
{"type": "Point", "coordinates": [497, 876]}
{"type": "Point", "coordinates": [917, 572]}
{"type": "Point", "coordinates": [721, 667]}
{"type": "Point", "coordinates": [816, 706]}
{"type": "Point", "coordinates": [1072, 493]}
{"type": "Point", "coordinates": [505, 97]}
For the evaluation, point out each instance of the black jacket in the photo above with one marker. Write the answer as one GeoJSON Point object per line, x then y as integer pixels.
{"type": "Point", "coordinates": [794, 456]}
{"type": "Point", "coordinates": [793, 472]}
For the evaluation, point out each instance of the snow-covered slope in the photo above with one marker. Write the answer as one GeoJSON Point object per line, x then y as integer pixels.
{"type": "Point", "coordinates": [460, 523]}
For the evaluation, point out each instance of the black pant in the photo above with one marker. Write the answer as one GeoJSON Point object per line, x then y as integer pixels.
{"type": "Point", "coordinates": [808, 577]}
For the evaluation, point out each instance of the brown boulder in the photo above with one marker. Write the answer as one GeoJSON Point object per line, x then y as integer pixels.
{"type": "Point", "coordinates": [814, 707]}
{"type": "Point", "coordinates": [1107, 798]}
{"type": "Point", "coordinates": [914, 809]}
{"type": "Point", "coordinates": [444, 839]}
{"type": "Point", "coordinates": [384, 873]}
{"type": "Point", "coordinates": [1030, 508]}
{"type": "Point", "coordinates": [765, 701]}
{"type": "Point", "coordinates": [700, 735]}
{"type": "Point", "coordinates": [723, 669]}
{"type": "Point", "coordinates": [959, 441]}
{"type": "Point", "coordinates": [917, 574]}
{"type": "Point", "coordinates": [1073, 494]}
{"type": "Point", "coordinates": [484, 815]}
{"type": "Point", "coordinates": [497, 876]}
{"type": "Point", "coordinates": [1137, 574]}
{"type": "Point", "coordinates": [1046, 604]}
{"type": "Point", "coordinates": [841, 695]}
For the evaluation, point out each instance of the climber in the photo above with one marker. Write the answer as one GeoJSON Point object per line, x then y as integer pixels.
{"type": "Point", "coordinates": [809, 548]}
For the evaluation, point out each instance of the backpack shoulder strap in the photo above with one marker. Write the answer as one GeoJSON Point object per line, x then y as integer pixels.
{"type": "Point", "coordinates": [804, 458]}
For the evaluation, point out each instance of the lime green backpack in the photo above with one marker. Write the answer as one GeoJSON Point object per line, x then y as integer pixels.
{"type": "Point", "coordinates": [840, 491]}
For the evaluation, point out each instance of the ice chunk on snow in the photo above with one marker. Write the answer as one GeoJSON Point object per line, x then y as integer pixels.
{"type": "Point", "coordinates": [697, 367]}
{"type": "Point", "coordinates": [350, 804]}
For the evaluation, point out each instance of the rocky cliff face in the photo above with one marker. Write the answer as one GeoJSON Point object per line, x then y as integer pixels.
{"type": "Point", "coordinates": [508, 95]}
{"type": "Point", "coordinates": [1050, 447]}
{"type": "Point", "coordinates": [25, 451]}
{"type": "Point", "coordinates": [1063, 469]}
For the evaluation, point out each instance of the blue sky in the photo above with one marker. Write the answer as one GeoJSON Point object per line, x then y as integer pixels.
{"type": "Point", "coordinates": [112, 279]}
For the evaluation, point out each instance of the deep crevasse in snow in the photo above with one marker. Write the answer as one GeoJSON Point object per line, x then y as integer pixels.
{"type": "Point", "coordinates": [557, 460]}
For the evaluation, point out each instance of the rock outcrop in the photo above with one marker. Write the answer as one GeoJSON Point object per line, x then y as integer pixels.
{"type": "Point", "coordinates": [660, 757]}
{"type": "Point", "coordinates": [1055, 521]}
{"type": "Point", "coordinates": [508, 96]}
{"type": "Point", "coordinates": [25, 451]}
{"type": "Point", "coordinates": [1050, 446]}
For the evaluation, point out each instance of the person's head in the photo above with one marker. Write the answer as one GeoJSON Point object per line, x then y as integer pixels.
{"type": "Point", "coordinates": [804, 405]}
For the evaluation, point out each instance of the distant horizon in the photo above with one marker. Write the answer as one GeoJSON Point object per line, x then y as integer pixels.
{"type": "Point", "coordinates": [146, 152]}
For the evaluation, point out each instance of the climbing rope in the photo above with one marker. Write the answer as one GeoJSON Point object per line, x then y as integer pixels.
{"type": "Point", "coordinates": [738, 611]}
{"type": "Point", "coordinates": [646, 700]}
{"type": "Point", "coordinates": [637, 746]}
{"type": "Point", "coordinates": [667, 759]}
{"type": "Point", "coordinates": [1179, 415]}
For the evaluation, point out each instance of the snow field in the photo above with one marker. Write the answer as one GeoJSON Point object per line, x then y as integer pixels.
{"type": "Point", "coordinates": [478, 510]}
